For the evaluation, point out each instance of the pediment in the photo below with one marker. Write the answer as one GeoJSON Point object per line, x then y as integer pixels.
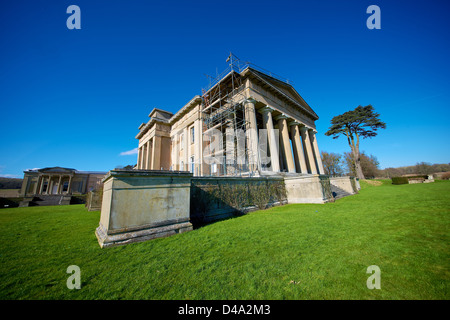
{"type": "Point", "coordinates": [56, 169]}
{"type": "Point", "coordinates": [286, 90]}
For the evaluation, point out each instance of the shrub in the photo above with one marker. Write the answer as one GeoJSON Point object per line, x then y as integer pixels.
{"type": "Point", "coordinates": [400, 180]}
{"type": "Point", "coordinates": [260, 195]}
{"type": "Point", "coordinates": [277, 191]}
{"type": "Point", "coordinates": [234, 195]}
{"type": "Point", "coordinates": [446, 176]}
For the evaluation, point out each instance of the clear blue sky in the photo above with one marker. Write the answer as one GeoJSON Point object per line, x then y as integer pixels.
{"type": "Point", "coordinates": [75, 98]}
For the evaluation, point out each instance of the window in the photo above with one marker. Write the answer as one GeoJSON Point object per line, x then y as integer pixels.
{"type": "Point", "coordinates": [192, 164]}
{"type": "Point", "coordinates": [213, 167]}
{"type": "Point", "coordinates": [65, 186]}
{"type": "Point", "coordinates": [192, 135]}
{"type": "Point", "coordinates": [181, 141]}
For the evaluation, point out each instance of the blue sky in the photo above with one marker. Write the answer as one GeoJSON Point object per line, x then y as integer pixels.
{"type": "Point", "coordinates": [75, 98]}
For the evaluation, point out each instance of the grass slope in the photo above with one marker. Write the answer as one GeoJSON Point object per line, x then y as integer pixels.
{"type": "Point", "coordinates": [292, 252]}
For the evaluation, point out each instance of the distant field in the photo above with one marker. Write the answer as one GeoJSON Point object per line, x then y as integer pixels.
{"type": "Point", "coordinates": [305, 251]}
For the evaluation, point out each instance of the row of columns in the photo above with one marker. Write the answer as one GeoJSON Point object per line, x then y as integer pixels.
{"type": "Point", "coordinates": [148, 154]}
{"type": "Point", "coordinates": [304, 157]}
{"type": "Point", "coordinates": [42, 179]}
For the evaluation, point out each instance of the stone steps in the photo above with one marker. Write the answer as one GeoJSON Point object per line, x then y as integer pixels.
{"type": "Point", "coordinates": [47, 200]}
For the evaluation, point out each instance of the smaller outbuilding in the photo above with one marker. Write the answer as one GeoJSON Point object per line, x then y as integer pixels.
{"type": "Point", "coordinates": [56, 185]}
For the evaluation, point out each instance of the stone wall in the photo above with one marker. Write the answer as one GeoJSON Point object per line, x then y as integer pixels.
{"type": "Point", "coordinates": [94, 200]}
{"type": "Point", "coordinates": [308, 189]}
{"type": "Point", "coordinates": [215, 198]}
{"type": "Point", "coordinates": [343, 186]}
{"type": "Point", "coordinates": [139, 205]}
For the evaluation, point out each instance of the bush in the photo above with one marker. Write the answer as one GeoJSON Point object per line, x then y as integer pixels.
{"type": "Point", "coordinates": [260, 195]}
{"type": "Point", "coordinates": [405, 180]}
{"type": "Point", "coordinates": [446, 176]}
{"type": "Point", "coordinates": [400, 180]}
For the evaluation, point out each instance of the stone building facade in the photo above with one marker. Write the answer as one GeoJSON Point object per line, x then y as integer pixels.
{"type": "Point", "coordinates": [59, 181]}
{"type": "Point", "coordinates": [241, 100]}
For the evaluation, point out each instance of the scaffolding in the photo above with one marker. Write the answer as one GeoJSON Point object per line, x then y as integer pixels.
{"type": "Point", "coordinates": [223, 111]}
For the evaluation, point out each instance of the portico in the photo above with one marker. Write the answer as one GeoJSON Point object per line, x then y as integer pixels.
{"type": "Point", "coordinates": [219, 133]}
{"type": "Point", "coordinates": [59, 181]}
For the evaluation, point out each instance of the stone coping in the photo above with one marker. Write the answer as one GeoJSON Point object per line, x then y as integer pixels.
{"type": "Point", "coordinates": [262, 178]}
{"type": "Point", "coordinates": [146, 226]}
{"type": "Point", "coordinates": [147, 173]}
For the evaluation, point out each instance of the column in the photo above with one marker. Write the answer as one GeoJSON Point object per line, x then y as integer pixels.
{"type": "Point", "coordinates": [285, 142]}
{"type": "Point", "coordinates": [252, 135]}
{"type": "Point", "coordinates": [69, 187]}
{"type": "Point", "coordinates": [139, 157]}
{"type": "Point", "coordinates": [312, 134]}
{"type": "Point", "coordinates": [156, 153]}
{"type": "Point", "coordinates": [186, 149]}
{"type": "Point", "coordinates": [144, 157]}
{"type": "Point", "coordinates": [230, 157]}
{"type": "Point", "coordinates": [176, 152]}
{"type": "Point", "coordinates": [307, 148]}
{"type": "Point", "coordinates": [299, 155]}
{"type": "Point", "coordinates": [271, 137]}
{"type": "Point", "coordinates": [198, 147]}
{"type": "Point", "coordinates": [36, 186]}
{"type": "Point", "coordinates": [148, 163]}
{"type": "Point", "coordinates": [59, 185]}
{"type": "Point", "coordinates": [41, 181]}
{"type": "Point", "coordinates": [49, 184]}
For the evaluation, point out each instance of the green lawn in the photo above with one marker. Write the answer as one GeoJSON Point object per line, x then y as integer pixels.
{"type": "Point", "coordinates": [325, 249]}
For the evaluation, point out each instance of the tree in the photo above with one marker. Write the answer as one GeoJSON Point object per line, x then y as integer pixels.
{"type": "Point", "coordinates": [423, 168]}
{"type": "Point", "coordinates": [369, 164]}
{"type": "Point", "coordinates": [362, 122]}
{"type": "Point", "coordinates": [332, 163]}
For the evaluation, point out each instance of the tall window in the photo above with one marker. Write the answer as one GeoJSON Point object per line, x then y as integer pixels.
{"type": "Point", "coordinates": [181, 141]}
{"type": "Point", "coordinates": [192, 135]}
{"type": "Point", "coordinates": [192, 164]}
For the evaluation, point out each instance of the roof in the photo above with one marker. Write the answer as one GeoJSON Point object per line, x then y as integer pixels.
{"type": "Point", "coordinates": [62, 170]}
{"type": "Point", "coordinates": [277, 84]}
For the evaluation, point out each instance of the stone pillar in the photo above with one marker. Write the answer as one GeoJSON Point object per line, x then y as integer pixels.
{"type": "Point", "coordinates": [186, 149]}
{"type": "Point", "coordinates": [299, 155]}
{"type": "Point", "coordinates": [285, 142]}
{"type": "Point", "coordinates": [41, 181]}
{"type": "Point", "coordinates": [272, 139]}
{"type": "Point", "coordinates": [315, 146]}
{"type": "Point", "coordinates": [252, 135]}
{"type": "Point", "coordinates": [230, 157]}
{"type": "Point", "coordinates": [49, 184]}
{"type": "Point", "coordinates": [176, 152]}
{"type": "Point", "coordinates": [148, 164]}
{"type": "Point", "coordinates": [307, 148]}
{"type": "Point", "coordinates": [69, 187]}
{"type": "Point", "coordinates": [59, 185]}
{"type": "Point", "coordinates": [139, 157]}
{"type": "Point", "coordinates": [198, 147]}
{"type": "Point", "coordinates": [156, 153]}
{"type": "Point", "coordinates": [144, 157]}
